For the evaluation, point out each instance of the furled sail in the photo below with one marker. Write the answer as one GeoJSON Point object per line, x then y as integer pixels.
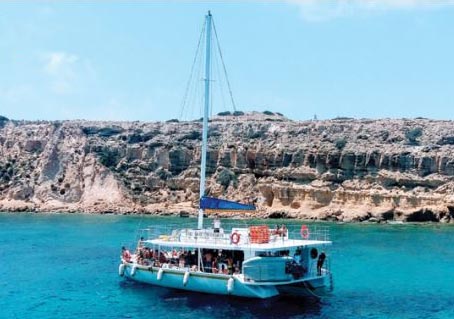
{"type": "Point", "coordinates": [215, 204]}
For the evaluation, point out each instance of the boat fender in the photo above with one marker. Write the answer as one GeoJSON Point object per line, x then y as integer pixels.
{"type": "Point", "coordinates": [185, 278]}
{"type": "Point", "coordinates": [235, 238]}
{"type": "Point", "coordinates": [121, 270]}
{"type": "Point", "coordinates": [305, 232]}
{"type": "Point", "coordinates": [230, 283]}
{"type": "Point", "coordinates": [133, 270]}
{"type": "Point", "coordinates": [160, 272]}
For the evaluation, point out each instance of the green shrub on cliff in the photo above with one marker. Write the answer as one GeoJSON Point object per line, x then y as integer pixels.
{"type": "Point", "coordinates": [225, 113]}
{"type": "Point", "coordinates": [3, 120]}
{"type": "Point", "coordinates": [413, 134]}
{"type": "Point", "coordinates": [225, 177]}
{"type": "Point", "coordinates": [108, 157]}
{"type": "Point", "coordinates": [340, 143]}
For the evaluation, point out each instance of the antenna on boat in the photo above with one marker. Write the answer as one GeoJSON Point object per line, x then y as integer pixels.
{"type": "Point", "coordinates": [205, 114]}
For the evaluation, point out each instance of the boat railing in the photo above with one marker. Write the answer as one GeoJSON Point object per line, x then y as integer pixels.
{"type": "Point", "coordinates": [186, 232]}
{"type": "Point", "coordinates": [318, 232]}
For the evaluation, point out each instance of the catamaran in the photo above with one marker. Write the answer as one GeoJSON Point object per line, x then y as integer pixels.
{"type": "Point", "coordinates": [255, 261]}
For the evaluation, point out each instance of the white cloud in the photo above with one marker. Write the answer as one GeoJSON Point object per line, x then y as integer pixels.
{"type": "Point", "coordinates": [58, 62]}
{"type": "Point", "coordinates": [62, 68]}
{"type": "Point", "coordinates": [320, 10]}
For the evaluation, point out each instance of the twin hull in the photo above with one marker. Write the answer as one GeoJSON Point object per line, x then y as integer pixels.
{"type": "Point", "coordinates": [219, 284]}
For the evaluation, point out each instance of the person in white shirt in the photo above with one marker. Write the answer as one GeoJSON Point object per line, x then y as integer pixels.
{"type": "Point", "coordinates": [216, 224]}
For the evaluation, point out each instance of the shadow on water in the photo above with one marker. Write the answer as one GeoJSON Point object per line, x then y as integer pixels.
{"type": "Point", "coordinates": [225, 306]}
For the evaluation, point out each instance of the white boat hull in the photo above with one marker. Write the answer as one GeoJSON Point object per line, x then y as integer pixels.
{"type": "Point", "coordinates": [222, 284]}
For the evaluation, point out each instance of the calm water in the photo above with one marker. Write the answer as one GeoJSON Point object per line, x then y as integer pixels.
{"type": "Point", "coordinates": [65, 266]}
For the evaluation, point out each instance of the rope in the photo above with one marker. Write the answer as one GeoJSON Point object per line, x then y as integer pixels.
{"type": "Point", "coordinates": [183, 104]}
{"type": "Point", "coordinates": [223, 65]}
{"type": "Point", "coordinates": [219, 82]}
{"type": "Point", "coordinates": [138, 231]}
{"type": "Point", "coordinates": [192, 89]}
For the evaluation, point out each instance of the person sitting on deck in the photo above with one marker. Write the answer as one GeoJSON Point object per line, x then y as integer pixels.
{"type": "Point", "coordinates": [125, 254]}
{"type": "Point", "coordinates": [223, 269]}
{"type": "Point", "coordinates": [230, 265]}
{"type": "Point", "coordinates": [207, 264]}
{"type": "Point", "coordinates": [147, 253]}
{"type": "Point", "coordinates": [283, 231]}
{"type": "Point", "coordinates": [141, 259]}
{"type": "Point", "coordinates": [162, 258]}
{"type": "Point", "coordinates": [182, 261]}
{"type": "Point", "coordinates": [214, 265]}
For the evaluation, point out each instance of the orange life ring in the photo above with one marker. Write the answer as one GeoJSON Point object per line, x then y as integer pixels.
{"type": "Point", "coordinates": [305, 232]}
{"type": "Point", "coordinates": [235, 238]}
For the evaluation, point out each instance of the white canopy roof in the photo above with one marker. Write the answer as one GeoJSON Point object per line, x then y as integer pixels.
{"type": "Point", "coordinates": [271, 246]}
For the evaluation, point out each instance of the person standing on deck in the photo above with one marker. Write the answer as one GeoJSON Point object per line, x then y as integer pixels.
{"type": "Point", "coordinates": [320, 261]}
{"type": "Point", "coordinates": [216, 224]}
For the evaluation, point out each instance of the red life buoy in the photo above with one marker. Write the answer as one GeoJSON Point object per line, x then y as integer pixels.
{"type": "Point", "coordinates": [305, 232]}
{"type": "Point", "coordinates": [235, 238]}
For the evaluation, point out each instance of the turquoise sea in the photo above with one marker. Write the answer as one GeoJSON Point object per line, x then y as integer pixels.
{"type": "Point", "coordinates": [65, 266]}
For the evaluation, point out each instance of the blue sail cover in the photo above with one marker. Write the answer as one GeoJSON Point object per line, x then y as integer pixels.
{"type": "Point", "coordinates": [212, 203]}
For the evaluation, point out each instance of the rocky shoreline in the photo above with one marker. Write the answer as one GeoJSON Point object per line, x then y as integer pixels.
{"type": "Point", "coordinates": [343, 170]}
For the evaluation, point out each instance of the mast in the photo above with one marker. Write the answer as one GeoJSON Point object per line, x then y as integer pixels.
{"type": "Point", "coordinates": [205, 115]}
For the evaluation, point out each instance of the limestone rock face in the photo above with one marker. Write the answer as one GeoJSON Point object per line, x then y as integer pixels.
{"type": "Point", "coordinates": [344, 169]}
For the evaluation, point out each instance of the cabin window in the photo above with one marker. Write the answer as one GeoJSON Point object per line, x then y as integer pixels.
{"type": "Point", "coordinates": [277, 253]}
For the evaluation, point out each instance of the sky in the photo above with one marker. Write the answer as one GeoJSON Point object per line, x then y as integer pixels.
{"type": "Point", "coordinates": [114, 60]}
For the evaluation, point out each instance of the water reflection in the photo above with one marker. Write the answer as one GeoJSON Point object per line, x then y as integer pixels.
{"type": "Point", "coordinates": [226, 306]}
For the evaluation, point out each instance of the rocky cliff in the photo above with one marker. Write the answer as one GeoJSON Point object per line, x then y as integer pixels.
{"type": "Point", "coordinates": [342, 169]}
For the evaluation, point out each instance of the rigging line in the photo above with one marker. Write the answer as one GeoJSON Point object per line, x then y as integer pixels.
{"type": "Point", "coordinates": [138, 231]}
{"type": "Point", "coordinates": [196, 87]}
{"type": "Point", "coordinates": [192, 70]}
{"type": "Point", "coordinates": [219, 81]}
{"type": "Point", "coordinates": [196, 84]}
{"type": "Point", "coordinates": [223, 65]}
{"type": "Point", "coordinates": [210, 104]}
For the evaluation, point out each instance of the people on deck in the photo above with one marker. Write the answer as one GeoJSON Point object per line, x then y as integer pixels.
{"type": "Point", "coordinates": [125, 254]}
{"type": "Point", "coordinates": [182, 261]}
{"type": "Point", "coordinates": [207, 262]}
{"type": "Point", "coordinates": [162, 258]}
{"type": "Point", "coordinates": [279, 230]}
{"type": "Point", "coordinates": [230, 265]}
{"type": "Point", "coordinates": [214, 265]}
{"type": "Point", "coordinates": [283, 231]}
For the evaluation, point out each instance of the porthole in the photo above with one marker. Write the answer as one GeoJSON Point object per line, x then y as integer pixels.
{"type": "Point", "coordinates": [314, 253]}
